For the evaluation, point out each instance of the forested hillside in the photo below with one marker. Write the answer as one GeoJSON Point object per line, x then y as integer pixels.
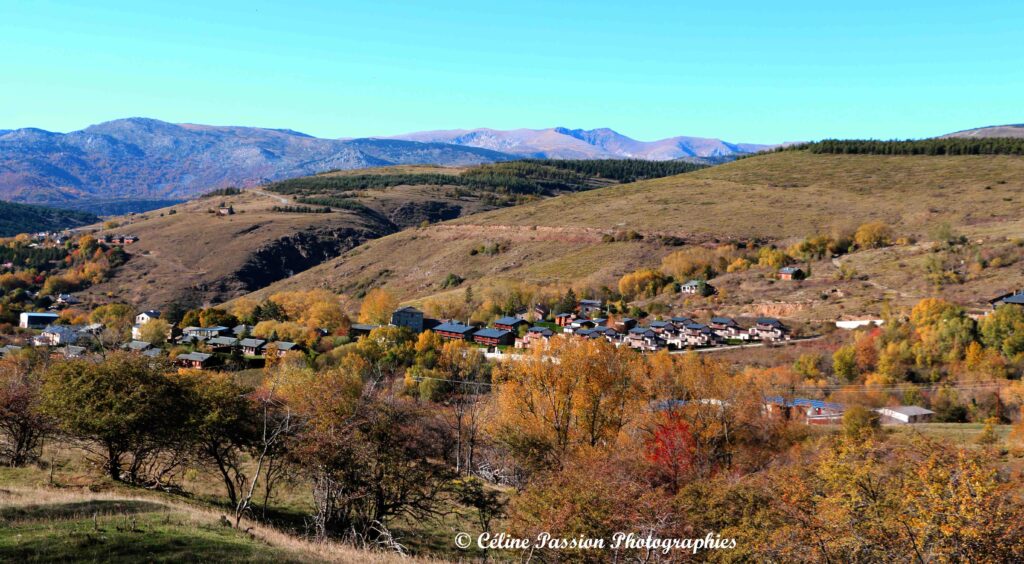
{"type": "Point", "coordinates": [24, 218]}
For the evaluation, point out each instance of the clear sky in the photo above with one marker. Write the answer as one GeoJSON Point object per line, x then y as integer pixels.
{"type": "Point", "coordinates": [740, 70]}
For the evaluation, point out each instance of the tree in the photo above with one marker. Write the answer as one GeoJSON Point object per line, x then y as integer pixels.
{"type": "Point", "coordinates": [377, 307]}
{"type": "Point", "coordinates": [223, 426]}
{"type": "Point", "coordinates": [114, 316]}
{"type": "Point", "coordinates": [578, 394]}
{"type": "Point", "coordinates": [125, 408]}
{"type": "Point", "coordinates": [860, 422]}
{"type": "Point", "coordinates": [642, 283]}
{"type": "Point", "coordinates": [670, 451]}
{"type": "Point", "coordinates": [23, 424]}
{"type": "Point", "coordinates": [1003, 330]}
{"type": "Point", "coordinates": [155, 331]}
{"type": "Point", "coordinates": [873, 235]}
{"type": "Point", "coordinates": [844, 363]}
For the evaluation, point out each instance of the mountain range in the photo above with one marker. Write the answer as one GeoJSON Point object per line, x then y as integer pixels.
{"type": "Point", "coordinates": [141, 158]}
{"type": "Point", "coordinates": [604, 143]}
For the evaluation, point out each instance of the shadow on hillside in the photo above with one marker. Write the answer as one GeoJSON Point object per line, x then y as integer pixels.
{"type": "Point", "coordinates": [77, 510]}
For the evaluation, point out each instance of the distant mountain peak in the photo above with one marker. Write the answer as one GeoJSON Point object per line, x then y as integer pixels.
{"type": "Point", "coordinates": [568, 143]}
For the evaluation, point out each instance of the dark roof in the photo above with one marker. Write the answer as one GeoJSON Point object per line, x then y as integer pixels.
{"type": "Point", "coordinates": [226, 341]}
{"type": "Point", "coordinates": [660, 323]}
{"type": "Point", "coordinates": [454, 327]}
{"type": "Point", "coordinates": [201, 357]}
{"type": "Point", "coordinates": [591, 302]}
{"type": "Point", "coordinates": [790, 269]}
{"type": "Point", "coordinates": [542, 331]}
{"type": "Point", "coordinates": [285, 345]}
{"type": "Point", "coordinates": [508, 320]}
{"type": "Point", "coordinates": [409, 309]}
{"type": "Point", "coordinates": [723, 320]}
{"type": "Point", "coordinates": [1016, 299]}
{"type": "Point", "coordinates": [138, 345]}
{"type": "Point", "coordinates": [252, 342]}
{"type": "Point", "coordinates": [363, 327]}
{"type": "Point", "coordinates": [490, 333]}
{"type": "Point", "coordinates": [803, 402]}
{"type": "Point", "coordinates": [770, 321]}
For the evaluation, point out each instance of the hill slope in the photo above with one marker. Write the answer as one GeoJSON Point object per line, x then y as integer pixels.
{"type": "Point", "coordinates": [564, 143]}
{"type": "Point", "coordinates": [145, 158]}
{"type": "Point", "coordinates": [1013, 130]}
{"type": "Point", "coordinates": [778, 197]}
{"type": "Point", "coordinates": [23, 218]}
{"type": "Point", "coordinates": [195, 256]}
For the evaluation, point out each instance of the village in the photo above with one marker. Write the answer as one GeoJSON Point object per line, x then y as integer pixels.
{"type": "Point", "coordinates": [226, 348]}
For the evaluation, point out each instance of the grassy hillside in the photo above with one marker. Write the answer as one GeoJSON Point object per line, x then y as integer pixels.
{"type": "Point", "coordinates": [24, 218]}
{"type": "Point", "coordinates": [194, 256]}
{"type": "Point", "coordinates": [779, 197]}
{"type": "Point", "coordinates": [63, 525]}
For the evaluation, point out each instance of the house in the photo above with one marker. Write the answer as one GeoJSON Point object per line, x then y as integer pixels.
{"type": "Point", "coordinates": [624, 324]}
{"type": "Point", "coordinates": [769, 329]}
{"type": "Point", "coordinates": [727, 328]}
{"type": "Point", "coordinates": [252, 347]}
{"type": "Point", "coordinates": [511, 324]}
{"type": "Point", "coordinates": [697, 288]}
{"type": "Point", "coordinates": [408, 317]}
{"type": "Point", "coordinates": [138, 346]}
{"type": "Point", "coordinates": [494, 337]}
{"type": "Point", "coordinates": [1013, 298]}
{"type": "Point", "coordinates": [564, 319]}
{"type": "Point", "coordinates": [454, 331]}
{"type": "Point", "coordinates": [36, 320]}
{"type": "Point", "coordinates": [285, 347]}
{"type": "Point", "coordinates": [694, 335]}
{"type": "Point", "coordinates": [195, 360]}
{"type": "Point", "coordinates": [809, 411]}
{"type": "Point", "coordinates": [662, 327]}
{"type": "Point", "coordinates": [578, 325]}
{"type": "Point", "coordinates": [792, 273]}
{"type": "Point", "coordinates": [146, 316]}
{"type": "Point", "coordinates": [534, 336]}
{"type": "Point", "coordinates": [67, 299]}
{"type": "Point", "coordinates": [905, 414]}
{"type": "Point", "coordinates": [643, 339]}
{"type": "Point", "coordinates": [204, 332]}
{"type": "Point", "coordinates": [541, 311]}
{"type": "Point", "coordinates": [590, 307]}
{"type": "Point", "coordinates": [222, 343]}
{"type": "Point", "coordinates": [357, 330]}
{"type": "Point", "coordinates": [71, 351]}
{"type": "Point", "coordinates": [230, 210]}
{"type": "Point", "coordinates": [242, 330]}
{"type": "Point", "coordinates": [54, 335]}
{"type": "Point", "coordinates": [153, 352]}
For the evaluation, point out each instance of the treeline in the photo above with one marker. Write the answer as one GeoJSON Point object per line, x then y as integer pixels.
{"type": "Point", "coordinates": [953, 146]}
{"type": "Point", "coordinates": [528, 177]}
{"type": "Point", "coordinates": [37, 258]}
{"type": "Point", "coordinates": [622, 170]}
{"type": "Point", "coordinates": [333, 202]}
{"type": "Point", "coordinates": [24, 218]}
{"type": "Point", "coordinates": [229, 191]}
{"type": "Point", "coordinates": [300, 209]}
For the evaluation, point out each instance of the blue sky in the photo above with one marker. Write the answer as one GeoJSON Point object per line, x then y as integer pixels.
{"type": "Point", "coordinates": [741, 71]}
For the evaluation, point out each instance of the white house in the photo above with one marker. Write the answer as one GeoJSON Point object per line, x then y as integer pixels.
{"type": "Point", "coordinates": [147, 316]}
{"type": "Point", "coordinates": [905, 414]}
